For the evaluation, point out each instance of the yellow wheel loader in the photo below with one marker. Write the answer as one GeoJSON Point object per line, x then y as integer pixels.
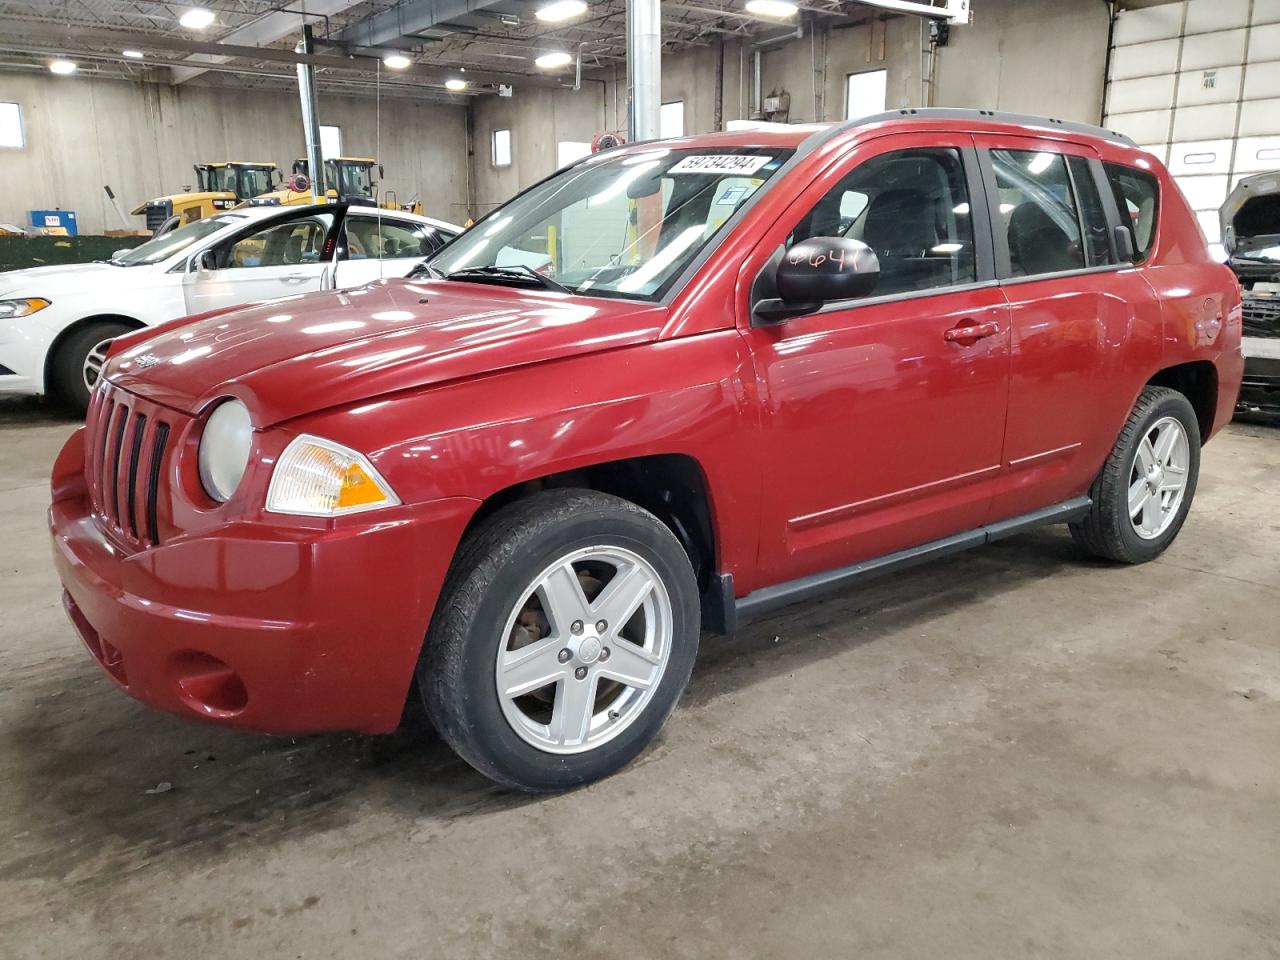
{"type": "Point", "coordinates": [347, 179]}
{"type": "Point", "coordinates": [219, 186]}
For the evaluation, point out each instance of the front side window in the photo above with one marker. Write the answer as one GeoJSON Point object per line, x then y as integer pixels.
{"type": "Point", "coordinates": [1137, 195]}
{"type": "Point", "coordinates": [912, 208]}
{"type": "Point", "coordinates": [164, 247]}
{"type": "Point", "coordinates": [353, 180]}
{"type": "Point", "coordinates": [1037, 212]}
{"type": "Point", "coordinates": [621, 225]}
{"type": "Point", "coordinates": [371, 239]}
{"type": "Point", "coordinates": [254, 181]}
{"type": "Point", "coordinates": [292, 243]}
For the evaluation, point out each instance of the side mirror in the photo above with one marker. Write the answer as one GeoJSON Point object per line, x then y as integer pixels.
{"type": "Point", "coordinates": [206, 260]}
{"type": "Point", "coordinates": [820, 270]}
{"type": "Point", "coordinates": [382, 175]}
{"type": "Point", "coordinates": [119, 253]}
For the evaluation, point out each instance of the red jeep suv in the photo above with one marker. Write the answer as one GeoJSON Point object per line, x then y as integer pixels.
{"type": "Point", "coordinates": [670, 387]}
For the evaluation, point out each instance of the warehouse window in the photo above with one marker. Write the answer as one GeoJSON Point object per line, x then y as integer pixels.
{"type": "Point", "coordinates": [568, 151]}
{"type": "Point", "coordinates": [864, 93]}
{"type": "Point", "coordinates": [11, 126]}
{"type": "Point", "coordinates": [502, 148]}
{"type": "Point", "coordinates": [671, 119]}
{"type": "Point", "coordinates": [330, 142]}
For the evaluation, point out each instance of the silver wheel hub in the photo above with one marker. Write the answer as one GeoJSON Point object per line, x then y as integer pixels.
{"type": "Point", "coordinates": [94, 362]}
{"type": "Point", "coordinates": [1158, 479]}
{"type": "Point", "coordinates": [584, 650]}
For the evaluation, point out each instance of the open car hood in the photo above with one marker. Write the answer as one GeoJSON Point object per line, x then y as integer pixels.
{"type": "Point", "coordinates": [295, 355]}
{"type": "Point", "coordinates": [1250, 218]}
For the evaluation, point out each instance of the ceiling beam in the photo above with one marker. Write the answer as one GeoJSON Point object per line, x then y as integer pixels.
{"type": "Point", "coordinates": [267, 29]}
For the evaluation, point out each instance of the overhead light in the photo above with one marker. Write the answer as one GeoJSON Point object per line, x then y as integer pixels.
{"type": "Point", "coordinates": [454, 84]}
{"type": "Point", "coordinates": [777, 9]}
{"type": "Point", "coordinates": [197, 18]}
{"type": "Point", "coordinates": [549, 61]}
{"type": "Point", "coordinates": [396, 61]}
{"type": "Point", "coordinates": [132, 54]}
{"type": "Point", "coordinates": [62, 66]}
{"type": "Point", "coordinates": [559, 10]}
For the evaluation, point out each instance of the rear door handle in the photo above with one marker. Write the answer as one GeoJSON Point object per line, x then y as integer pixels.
{"type": "Point", "coordinates": [971, 333]}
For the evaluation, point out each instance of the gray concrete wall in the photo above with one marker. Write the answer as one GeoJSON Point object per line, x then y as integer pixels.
{"type": "Point", "coordinates": [142, 139]}
{"type": "Point", "coordinates": [1034, 56]}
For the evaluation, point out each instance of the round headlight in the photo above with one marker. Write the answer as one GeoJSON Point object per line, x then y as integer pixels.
{"type": "Point", "coordinates": [224, 449]}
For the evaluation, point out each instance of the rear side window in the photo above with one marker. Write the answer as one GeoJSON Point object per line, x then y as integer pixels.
{"type": "Point", "coordinates": [1037, 212]}
{"type": "Point", "coordinates": [1097, 246]}
{"type": "Point", "coordinates": [1138, 197]}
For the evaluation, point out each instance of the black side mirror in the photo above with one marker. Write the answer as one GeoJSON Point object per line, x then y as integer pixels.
{"type": "Point", "coordinates": [206, 260]}
{"type": "Point", "coordinates": [1125, 250]}
{"type": "Point", "coordinates": [817, 271]}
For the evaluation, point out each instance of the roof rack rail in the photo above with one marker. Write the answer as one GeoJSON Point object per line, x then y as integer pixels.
{"type": "Point", "coordinates": [1000, 116]}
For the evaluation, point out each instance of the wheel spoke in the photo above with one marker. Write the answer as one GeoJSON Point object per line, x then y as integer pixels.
{"type": "Point", "coordinates": [1152, 513]}
{"type": "Point", "coordinates": [622, 596]}
{"type": "Point", "coordinates": [1146, 455]}
{"type": "Point", "coordinates": [1165, 441]}
{"type": "Point", "coordinates": [564, 600]}
{"type": "Point", "coordinates": [630, 663]}
{"type": "Point", "coordinates": [531, 667]}
{"type": "Point", "coordinates": [1138, 494]}
{"type": "Point", "coordinates": [571, 715]}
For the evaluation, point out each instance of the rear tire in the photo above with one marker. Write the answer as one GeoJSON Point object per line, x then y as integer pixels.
{"type": "Point", "coordinates": [1143, 493]}
{"type": "Point", "coordinates": [527, 671]}
{"type": "Point", "coordinates": [71, 368]}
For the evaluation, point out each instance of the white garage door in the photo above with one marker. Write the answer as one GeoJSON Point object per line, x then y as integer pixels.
{"type": "Point", "coordinates": [1197, 83]}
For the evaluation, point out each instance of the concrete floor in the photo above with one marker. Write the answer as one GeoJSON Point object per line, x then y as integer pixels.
{"type": "Point", "coordinates": [1013, 753]}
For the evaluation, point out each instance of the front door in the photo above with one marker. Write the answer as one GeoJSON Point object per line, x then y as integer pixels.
{"type": "Point", "coordinates": [281, 258]}
{"type": "Point", "coordinates": [884, 417]}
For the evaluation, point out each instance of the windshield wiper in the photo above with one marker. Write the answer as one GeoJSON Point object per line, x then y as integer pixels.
{"type": "Point", "coordinates": [517, 273]}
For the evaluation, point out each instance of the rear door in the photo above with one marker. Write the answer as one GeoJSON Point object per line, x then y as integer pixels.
{"type": "Point", "coordinates": [375, 247]}
{"type": "Point", "coordinates": [1072, 314]}
{"type": "Point", "coordinates": [282, 257]}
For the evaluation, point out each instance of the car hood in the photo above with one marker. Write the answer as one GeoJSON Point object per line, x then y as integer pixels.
{"type": "Point", "coordinates": [296, 355]}
{"type": "Point", "coordinates": [39, 281]}
{"type": "Point", "coordinates": [1251, 213]}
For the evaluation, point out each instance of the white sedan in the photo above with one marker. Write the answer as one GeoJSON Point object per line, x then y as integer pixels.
{"type": "Point", "coordinates": [57, 322]}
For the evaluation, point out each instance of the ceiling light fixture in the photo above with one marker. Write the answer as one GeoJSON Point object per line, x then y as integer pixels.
{"type": "Point", "coordinates": [132, 54]}
{"type": "Point", "coordinates": [774, 9]}
{"type": "Point", "coordinates": [197, 18]}
{"type": "Point", "coordinates": [396, 61]}
{"type": "Point", "coordinates": [549, 61]}
{"type": "Point", "coordinates": [454, 84]}
{"type": "Point", "coordinates": [62, 66]}
{"type": "Point", "coordinates": [559, 10]}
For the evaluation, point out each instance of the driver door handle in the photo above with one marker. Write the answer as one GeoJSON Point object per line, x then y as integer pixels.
{"type": "Point", "coordinates": [971, 332]}
{"type": "Point", "coordinates": [295, 277]}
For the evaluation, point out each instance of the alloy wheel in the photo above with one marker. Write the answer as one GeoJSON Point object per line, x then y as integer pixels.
{"type": "Point", "coordinates": [584, 649]}
{"type": "Point", "coordinates": [94, 362]}
{"type": "Point", "coordinates": [1158, 478]}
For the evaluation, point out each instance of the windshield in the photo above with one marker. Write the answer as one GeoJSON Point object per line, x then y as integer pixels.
{"type": "Point", "coordinates": [162, 248]}
{"type": "Point", "coordinates": [353, 180]}
{"type": "Point", "coordinates": [221, 179]}
{"type": "Point", "coordinates": [622, 225]}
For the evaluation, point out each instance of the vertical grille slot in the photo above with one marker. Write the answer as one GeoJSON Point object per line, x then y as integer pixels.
{"type": "Point", "coordinates": [135, 453]}
{"type": "Point", "coordinates": [113, 463]}
{"type": "Point", "coordinates": [153, 482]}
{"type": "Point", "coordinates": [103, 443]}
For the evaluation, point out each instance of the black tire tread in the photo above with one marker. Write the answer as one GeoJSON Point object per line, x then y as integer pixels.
{"type": "Point", "coordinates": [66, 387]}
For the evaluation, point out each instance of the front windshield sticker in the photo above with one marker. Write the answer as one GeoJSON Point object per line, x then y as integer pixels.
{"type": "Point", "coordinates": [721, 163]}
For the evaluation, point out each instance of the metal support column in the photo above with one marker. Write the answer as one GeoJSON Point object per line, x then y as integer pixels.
{"type": "Point", "coordinates": [310, 119]}
{"type": "Point", "coordinates": [644, 68]}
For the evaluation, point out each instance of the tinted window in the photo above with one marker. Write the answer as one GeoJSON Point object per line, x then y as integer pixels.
{"type": "Point", "coordinates": [1097, 246]}
{"type": "Point", "coordinates": [1138, 197]}
{"type": "Point", "coordinates": [1037, 212]}
{"type": "Point", "coordinates": [912, 208]}
{"type": "Point", "coordinates": [369, 239]}
{"type": "Point", "coordinates": [293, 242]}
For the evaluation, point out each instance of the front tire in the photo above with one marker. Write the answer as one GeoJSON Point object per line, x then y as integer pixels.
{"type": "Point", "coordinates": [78, 363]}
{"type": "Point", "coordinates": [1143, 493]}
{"type": "Point", "coordinates": [565, 633]}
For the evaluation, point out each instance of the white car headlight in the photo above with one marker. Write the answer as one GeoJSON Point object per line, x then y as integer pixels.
{"type": "Point", "coordinates": [225, 446]}
{"type": "Point", "coordinates": [21, 308]}
{"type": "Point", "coordinates": [315, 477]}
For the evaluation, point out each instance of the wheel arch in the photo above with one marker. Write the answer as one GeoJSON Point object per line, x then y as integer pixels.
{"type": "Point", "coordinates": [1197, 380]}
{"type": "Point", "coordinates": [73, 328]}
